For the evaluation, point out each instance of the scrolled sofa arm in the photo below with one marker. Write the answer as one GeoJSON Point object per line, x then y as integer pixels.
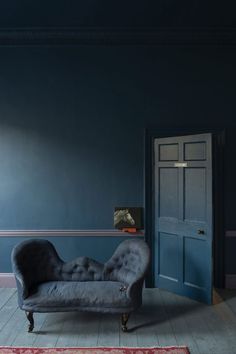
{"type": "Point", "coordinates": [33, 262]}
{"type": "Point", "coordinates": [129, 265]}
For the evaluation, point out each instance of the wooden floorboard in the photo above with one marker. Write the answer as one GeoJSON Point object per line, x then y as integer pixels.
{"type": "Point", "coordinates": [198, 328]}
{"type": "Point", "coordinates": [79, 329]}
{"type": "Point", "coordinates": [219, 329]}
{"type": "Point", "coordinates": [164, 319]}
{"type": "Point", "coordinates": [50, 329]}
{"type": "Point", "coordinates": [89, 324]}
{"type": "Point", "coordinates": [226, 321]}
{"type": "Point", "coordinates": [178, 324]}
{"type": "Point", "coordinates": [68, 334]}
{"type": "Point", "coordinates": [146, 319]}
{"type": "Point", "coordinates": [109, 331]}
{"type": "Point", "coordinates": [5, 295]}
{"type": "Point", "coordinates": [129, 339]}
{"type": "Point", "coordinates": [164, 328]}
{"type": "Point", "coordinates": [16, 321]}
{"type": "Point", "coordinates": [23, 338]}
{"type": "Point", "coordinates": [7, 310]}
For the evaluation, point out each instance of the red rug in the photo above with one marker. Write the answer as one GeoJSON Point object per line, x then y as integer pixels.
{"type": "Point", "coordinates": [98, 350]}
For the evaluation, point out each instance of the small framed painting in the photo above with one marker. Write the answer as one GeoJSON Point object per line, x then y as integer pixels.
{"type": "Point", "coordinates": [128, 217]}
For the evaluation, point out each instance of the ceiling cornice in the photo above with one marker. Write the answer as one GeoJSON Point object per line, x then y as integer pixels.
{"type": "Point", "coordinates": [216, 36]}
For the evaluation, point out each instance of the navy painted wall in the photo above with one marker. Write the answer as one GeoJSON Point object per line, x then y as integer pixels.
{"type": "Point", "coordinates": [72, 123]}
{"type": "Point", "coordinates": [118, 13]}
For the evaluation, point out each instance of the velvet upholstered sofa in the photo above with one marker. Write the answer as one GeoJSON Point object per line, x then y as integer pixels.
{"type": "Point", "coordinates": [45, 283]}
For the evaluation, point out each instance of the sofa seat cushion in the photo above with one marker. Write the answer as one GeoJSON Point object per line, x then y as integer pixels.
{"type": "Point", "coordinates": [62, 295]}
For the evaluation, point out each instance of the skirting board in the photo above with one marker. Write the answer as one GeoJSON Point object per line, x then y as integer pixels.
{"type": "Point", "coordinates": [230, 281]}
{"type": "Point", "coordinates": [7, 280]}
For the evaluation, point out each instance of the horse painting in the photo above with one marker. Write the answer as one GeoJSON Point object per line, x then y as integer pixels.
{"type": "Point", "coordinates": [124, 217]}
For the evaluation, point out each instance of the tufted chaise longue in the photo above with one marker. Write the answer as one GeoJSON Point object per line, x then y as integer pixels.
{"type": "Point", "coordinates": [45, 283]}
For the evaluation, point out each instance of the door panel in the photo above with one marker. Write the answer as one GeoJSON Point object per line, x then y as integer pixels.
{"type": "Point", "coordinates": [168, 152]}
{"type": "Point", "coordinates": [168, 202]}
{"type": "Point", "coordinates": [195, 194]}
{"type": "Point", "coordinates": [183, 215]}
{"type": "Point", "coordinates": [168, 245]}
{"type": "Point", "coordinates": [195, 151]}
{"type": "Point", "coordinates": [194, 262]}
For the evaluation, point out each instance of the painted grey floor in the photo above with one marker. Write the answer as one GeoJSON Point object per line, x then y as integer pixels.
{"type": "Point", "coordinates": [164, 319]}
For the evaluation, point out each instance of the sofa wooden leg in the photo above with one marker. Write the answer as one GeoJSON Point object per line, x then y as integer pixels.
{"type": "Point", "coordinates": [124, 320]}
{"type": "Point", "coordinates": [30, 318]}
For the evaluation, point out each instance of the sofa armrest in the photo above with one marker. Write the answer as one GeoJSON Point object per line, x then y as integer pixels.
{"type": "Point", "coordinates": [33, 262]}
{"type": "Point", "coordinates": [24, 282]}
{"type": "Point", "coordinates": [129, 265]}
{"type": "Point", "coordinates": [135, 288]}
{"type": "Point", "coordinates": [22, 289]}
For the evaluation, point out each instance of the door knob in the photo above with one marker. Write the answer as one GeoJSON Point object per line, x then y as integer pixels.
{"type": "Point", "coordinates": [201, 232]}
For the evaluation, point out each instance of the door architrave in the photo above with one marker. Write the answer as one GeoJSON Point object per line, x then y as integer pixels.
{"type": "Point", "coordinates": [218, 142]}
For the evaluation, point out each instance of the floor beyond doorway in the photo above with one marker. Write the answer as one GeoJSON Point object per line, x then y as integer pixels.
{"type": "Point", "coordinates": [164, 319]}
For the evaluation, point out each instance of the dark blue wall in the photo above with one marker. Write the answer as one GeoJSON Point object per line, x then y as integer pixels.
{"type": "Point", "coordinates": [118, 13]}
{"type": "Point", "coordinates": [72, 123]}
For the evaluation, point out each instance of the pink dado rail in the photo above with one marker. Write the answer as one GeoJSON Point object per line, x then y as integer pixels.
{"type": "Point", "coordinates": [64, 233]}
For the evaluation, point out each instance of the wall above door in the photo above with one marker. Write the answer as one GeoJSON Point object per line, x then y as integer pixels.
{"type": "Point", "coordinates": [121, 22]}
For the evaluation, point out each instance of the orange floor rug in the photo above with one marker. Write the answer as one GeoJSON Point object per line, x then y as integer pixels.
{"type": "Point", "coordinates": [98, 350]}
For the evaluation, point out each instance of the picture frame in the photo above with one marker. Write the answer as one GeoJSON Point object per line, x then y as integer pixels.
{"type": "Point", "coordinates": [128, 217]}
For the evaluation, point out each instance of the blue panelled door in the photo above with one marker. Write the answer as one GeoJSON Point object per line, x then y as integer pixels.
{"type": "Point", "coordinates": [183, 215]}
